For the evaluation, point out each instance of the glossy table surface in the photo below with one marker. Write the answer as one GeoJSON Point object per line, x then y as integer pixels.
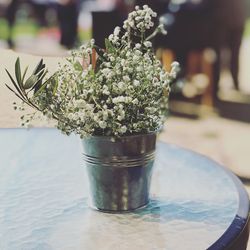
{"type": "Point", "coordinates": [195, 203]}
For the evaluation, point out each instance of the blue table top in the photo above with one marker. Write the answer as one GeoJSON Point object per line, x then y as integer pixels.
{"type": "Point", "coordinates": [195, 203]}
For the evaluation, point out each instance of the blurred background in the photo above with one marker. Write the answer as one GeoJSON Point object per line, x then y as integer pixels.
{"type": "Point", "coordinates": [210, 38]}
{"type": "Point", "coordinates": [210, 102]}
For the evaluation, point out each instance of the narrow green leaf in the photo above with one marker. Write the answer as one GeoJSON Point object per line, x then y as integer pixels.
{"type": "Point", "coordinates": [15, 84]}
{"type": "Point", "coordinates": [30, 82]}
{"type": "Point", "coordinates": [39, 81]}
{"type": "Point", "coordinates": [37, 92]}
{"type": "Point", "coordinates": [24, 74]}
{"type": "Point", "coordinates": [14, 92]}
{"type": "Point", "coordinates": [40, 89]}
{"type": "Point", "coordinates": [18, 71]}
{"type": "Point", "coordinates": [39, 66]}
{"type": "Point", "coordinates": [40, 72]}
{"type": "Point", "coordinates": [22, 99]}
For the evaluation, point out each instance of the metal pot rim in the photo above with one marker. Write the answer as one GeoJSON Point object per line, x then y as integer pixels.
{"type": "Point", "coordinates": [115, 138]}
{"type": "Point", "coordinates": [112, 137]}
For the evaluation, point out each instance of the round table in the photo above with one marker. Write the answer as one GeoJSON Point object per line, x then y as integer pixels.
{"type": "Point", "coordinates": [195, 203]}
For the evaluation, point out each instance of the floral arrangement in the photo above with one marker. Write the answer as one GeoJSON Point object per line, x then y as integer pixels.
{"type": "Point", "coordinates": [118, 91]}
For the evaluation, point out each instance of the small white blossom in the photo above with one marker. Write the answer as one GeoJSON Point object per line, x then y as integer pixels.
{"type": "Point", "coordinates": [121, 85]}
{"type": "Point", "coordinates": [123, 62]}
{"type": "Point", "coordinates": [128, 54]}
{"type": "Point", "coordinates": [139, 68]}
{"type": "Point", "coordinates": [106, 71]}
{"type": "Point", "coordinates": [175, 65]}
{"type": "Point", "coordinates": [111, 37]}
{"type": "Point", "coordinates": [123, 129]}
{"type": "Point", "coordinates": [138, 52]}
{"type": "Point", "coordinates": [136, 58]}
{"type": "Point", "coordinates": [147, 44]}
{"type": "Point", "coordinates": [105, 90]}
{"type": "Point", "coordinates": [117, 31]}
{"type": "Point", "coordinates": [126, 78]}
{"type": "Point", "coordinates": [92, 42]}
{"type": "Point", "coordinates": [138, 45]}
{"type": "Point", "coordinates": [120, 118]}
{"type": "Point", "coordinates": [89, 50]}
{"type": "Point", "coordinates": [162, 29]}
{"type": "Point", "coordinates": [84, 73]}
{"type": "Point", "coordinates": [135, 101]}
{"type": "Point", "coordinates": [136, 83]}
{"type": "Point", "coordinates": [103, 124]}
{"type": "Point", "coordinates": [118, 99]}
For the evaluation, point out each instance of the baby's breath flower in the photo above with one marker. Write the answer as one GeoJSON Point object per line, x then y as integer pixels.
{"type": "Point", "coordinates": [135, 101]}
{"type": "Point", "coordinates": [111, 37]}
{"type": "Point", "coordinates": [89, 50]}
{"type": "Point", "coordinates": [126, 92]}
{"type": "Point", "coordinates": [175, 65]}
{"type": "Point", "coordinates": [92, 42]}
{"type": "Point", "coordinates": [138, 45]}
{"type": "Point", "coordinates": [117, 31]}
{"type": "Point", "coordinates": [102, 124]}
{"type": "Point", "coordinates": [126, 78]}
{"type": "Point", "coordinates": [148, 44]}
{"type": "Point", "coordinates": [136, 83]}
{"type": "Point", "coordinates": [121, 85]}
{"type": "Point", "coordinates": [123, 129]}
{"type": "Point", "coordinates": [162, 29]}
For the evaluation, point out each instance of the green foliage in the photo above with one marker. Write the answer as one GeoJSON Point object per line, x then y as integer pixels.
{"type": "Point", "coordinates": [121, 90]}
{"type": "Point", "coordinates": [22, 87]}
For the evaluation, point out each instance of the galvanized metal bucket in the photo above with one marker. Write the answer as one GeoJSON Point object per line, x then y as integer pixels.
{"type": "Point", "coordinates": [119, 171]}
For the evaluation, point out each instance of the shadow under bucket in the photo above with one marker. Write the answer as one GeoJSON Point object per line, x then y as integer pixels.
{"type": "Point", "coordinates": [119, 171]}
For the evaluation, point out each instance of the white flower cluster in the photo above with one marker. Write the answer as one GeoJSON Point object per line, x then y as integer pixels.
{"type": "Point", "coordinates": [124, 92]}
{"type": "Point", "coordinates": [140, 19]}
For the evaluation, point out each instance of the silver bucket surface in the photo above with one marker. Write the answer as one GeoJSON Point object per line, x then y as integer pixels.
{"type": "Point", "coordinates": [119, 170]}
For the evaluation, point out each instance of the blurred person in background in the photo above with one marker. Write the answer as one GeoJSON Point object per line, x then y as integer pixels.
{"type": "Point", "coordinates": [67, 15]}
{"type": "Point", "coordinates": [231, 16]}
{"type": "Point", "coordinates": [159, 6]}
{"type": "Point", "coordinates": [194, 25]}
{"type": "Point", "coordinates": [68, 12]}
{"type": "Point", "coordinates": [123, 7]}
{"type": "Point", "coordinates": [10, 17]}
{"type": "Point", "coordinates": [104, 22]}
{"type": "Point", "coordinates": [38, 6]}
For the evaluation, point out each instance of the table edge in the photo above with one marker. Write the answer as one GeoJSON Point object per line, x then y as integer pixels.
{"type": "Point", "coordinates": [241, 219]}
